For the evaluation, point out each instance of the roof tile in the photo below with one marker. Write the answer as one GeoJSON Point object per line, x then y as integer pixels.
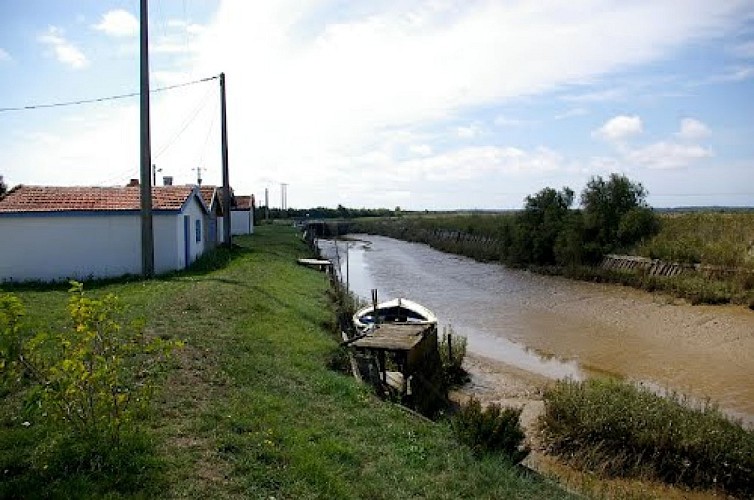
{"type": "Point", "coordinates": [59, 199]}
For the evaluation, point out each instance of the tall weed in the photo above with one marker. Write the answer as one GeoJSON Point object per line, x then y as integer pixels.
{"type": "Point", "coordinates": [621, 429]}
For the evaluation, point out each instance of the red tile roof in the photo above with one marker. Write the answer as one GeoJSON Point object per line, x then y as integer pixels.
{"type": "Point", "coordinates": [59, 199]}
{"type": "Point", "coordinates": [243, 203]}
{"type": "Point", "coordinates": [207, 192]}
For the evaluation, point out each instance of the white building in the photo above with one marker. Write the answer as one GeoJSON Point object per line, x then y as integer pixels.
{"type": "Point", "coordinates": [54, 233]}
{"type": "Point", "coordinates": [242, 215]}
{"type": "Point", "coordinates": [241, 212]}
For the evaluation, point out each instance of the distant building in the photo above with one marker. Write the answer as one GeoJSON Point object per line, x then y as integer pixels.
{"type": "Point", "coordinates": [54, 233]}
{"type": "Point", "coordinates": [241, 211]}
{"type": "Point", "coordinates": [242, 215]}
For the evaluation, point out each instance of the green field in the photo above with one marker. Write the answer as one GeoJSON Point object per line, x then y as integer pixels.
{"type": "Point", "coordinates": [712, 238]}
{"type": "Point", "coordinates": [249, 408]}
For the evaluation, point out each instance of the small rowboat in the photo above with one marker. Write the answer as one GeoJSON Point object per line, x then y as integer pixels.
{"type": "Point", "coordinates": [396, 311]}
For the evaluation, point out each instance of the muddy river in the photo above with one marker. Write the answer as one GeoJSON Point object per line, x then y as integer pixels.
{"type": "Point", "coordinates": [556, 327]}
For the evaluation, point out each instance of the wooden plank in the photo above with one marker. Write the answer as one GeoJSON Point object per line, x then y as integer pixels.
{"type": "Point", "coordinates": [352, 360]}
{"type": "Point", "coordinates": [393, 337]}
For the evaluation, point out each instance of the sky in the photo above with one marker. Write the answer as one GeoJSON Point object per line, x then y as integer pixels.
{"type": "Point", "coordinates": [436, 104]}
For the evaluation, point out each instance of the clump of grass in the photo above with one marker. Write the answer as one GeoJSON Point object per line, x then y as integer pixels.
{"type": "Point", "coordinates": [491, 429]}
{"type": "Point", "coordinates": [713, 238]}
{"type": "Point", "coordinates": [622, 429]}
{"type": "Point", "coordinates": [452, 349]}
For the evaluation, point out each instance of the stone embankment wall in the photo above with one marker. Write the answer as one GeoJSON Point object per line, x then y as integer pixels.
{"type": "Point", "coordinates": [656, 267]}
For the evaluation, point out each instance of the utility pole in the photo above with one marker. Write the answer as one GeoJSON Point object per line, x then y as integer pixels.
{"type": "Point", "coordinates": [266, 204]}
{"type": "Point", "coordinates": [283, 196]}
{"type": "Point", "coordinates": [198, 174]}
{"type": "Point", "coordinates": [224, 148]}
{"type": "Point", "coordinates": [154, 174]}
{"type": "Point", "coordinates": [147, 232]}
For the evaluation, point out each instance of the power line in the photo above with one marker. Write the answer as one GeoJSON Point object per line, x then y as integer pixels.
{"type": "Point", "coordinates": [108, 98]}
{"type": "Point", "coordinates": [185, 125]}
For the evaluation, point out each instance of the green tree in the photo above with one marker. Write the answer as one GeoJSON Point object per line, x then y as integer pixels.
{"type": "Point", "coordinates": [3, 187]}
{"type": "Point", "coordinates": [540, 224]}
{"type": "Point", "coordinates": [616, 213]}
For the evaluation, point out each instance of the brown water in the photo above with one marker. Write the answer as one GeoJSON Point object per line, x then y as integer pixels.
{"type": "Point", "coordinates": [558, 327]}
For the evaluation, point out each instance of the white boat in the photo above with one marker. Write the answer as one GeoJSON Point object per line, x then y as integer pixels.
{"type": "Point", "coordinates": [395, 311]}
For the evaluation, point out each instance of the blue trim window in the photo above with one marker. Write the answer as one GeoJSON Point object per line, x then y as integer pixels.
{"type": "Point", "coordinates": [198, 230]}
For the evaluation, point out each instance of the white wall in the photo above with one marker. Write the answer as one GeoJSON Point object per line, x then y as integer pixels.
{"type": "Point", "coordinates": [57, 247]}
{"type": "Point", "coordinates": [194, 210]}
{"type": "Point", "coordinates": [240, 222]}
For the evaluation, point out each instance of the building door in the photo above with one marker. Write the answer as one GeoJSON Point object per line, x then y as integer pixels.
{"type": "Point", "coordinates": [187, 239]}
{"type": "Point", "coordinates": [212, 235]}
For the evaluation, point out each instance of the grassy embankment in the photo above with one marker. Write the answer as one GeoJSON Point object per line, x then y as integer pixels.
{"type": "Point", "coordinates": [710, 239]}
{"type": "Point", "coordinates": [621, 430]}
{"type": "Point", "coordinates": [249, 408]}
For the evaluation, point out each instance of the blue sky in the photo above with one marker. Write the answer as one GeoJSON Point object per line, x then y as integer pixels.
{"type": "Point", "coordinates": [423, 104]}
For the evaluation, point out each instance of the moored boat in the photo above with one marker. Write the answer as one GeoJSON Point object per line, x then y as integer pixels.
{"type": "Point", "coordinates": [395, 311]}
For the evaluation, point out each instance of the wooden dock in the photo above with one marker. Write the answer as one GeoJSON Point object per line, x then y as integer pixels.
{"type": "Point", "coordinates": [321, 264]}
{"type": "Point", "coordinates": [402, 360]}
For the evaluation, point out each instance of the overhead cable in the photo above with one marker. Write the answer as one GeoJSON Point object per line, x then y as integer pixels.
{"type": "Point", "coordinates": [103, 99]}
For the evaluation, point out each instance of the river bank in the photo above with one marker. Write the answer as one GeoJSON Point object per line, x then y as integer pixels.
{"type": "Point", "coordinates": [250, 407]}
{"type": "Point", "coordinates": [556, 327]}
{"type": "Point", "coordinates": [712, 240]}
{"type": "Point", "coordinates": [495, 382]}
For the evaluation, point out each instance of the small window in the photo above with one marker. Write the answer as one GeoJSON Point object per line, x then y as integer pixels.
{"type": "Point", "coordinates": [198, 230]}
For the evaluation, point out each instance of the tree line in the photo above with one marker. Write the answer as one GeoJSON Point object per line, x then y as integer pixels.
{"type": "Point", "coordinates": [613, 216]}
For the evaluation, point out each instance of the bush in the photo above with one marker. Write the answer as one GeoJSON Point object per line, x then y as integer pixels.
{"type": "Point", "coordinates": [452, 352]}
{"type": "Point", "coordinates": [492, 429]}
{"type": "Point", "coordinates": [622, 429]}
{"type": "Point", "coordinates": [91, 379]}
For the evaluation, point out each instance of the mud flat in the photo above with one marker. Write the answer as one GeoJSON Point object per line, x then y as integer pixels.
{"type": "Point", "coordinates": [553, 327]}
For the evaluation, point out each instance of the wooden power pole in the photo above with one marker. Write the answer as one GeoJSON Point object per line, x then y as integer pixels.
{"type": "Point", "coordinates": [147, 233]}
{"type": "Point", "coordinates": [226, 180]}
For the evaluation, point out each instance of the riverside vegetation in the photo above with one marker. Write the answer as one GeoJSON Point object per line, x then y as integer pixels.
{"type": "Point", "coordinates": [247, 407]}
{"type": "Point", "coordinates": [621, 429]}
{"type": "Point", "coordinates": [550, 237]}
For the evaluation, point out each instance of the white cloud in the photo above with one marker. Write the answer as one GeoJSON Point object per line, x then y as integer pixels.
{"type": "Point", "coordinates": [118, 23]}
{"type": "Point", "coordinates": [477, 161]}
{"type": "Point", "coordinates": [613, 94]}
{"type": "Point", "coordinates": [619, 128]}
{"type": "Point", "coordinates": [571, 113]}
{"type": "Point", "coordinates": [65, 52]}
{"type": "Point", "coordinates": [693, 130]}
{"type": "Point", "coordinates": [744, 50]}
{"type": "Point", "coordinates": [421, 149]}
{"type": "Point", "coordinates": [506, 121]}
{"type": "Point", "coordinates": [737, 74]}
{"type": "Point", "coordinates": [668, 155]}
{"type": "Point", "coordinates": [681, 151]}
{"type": "Point", "coordinates": [4, 55]}
{"type": "Point", "coordinates": [469, 131]}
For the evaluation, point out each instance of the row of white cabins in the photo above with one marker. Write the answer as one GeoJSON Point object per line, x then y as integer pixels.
{"type": "Point", "coordinates": [52, 233]}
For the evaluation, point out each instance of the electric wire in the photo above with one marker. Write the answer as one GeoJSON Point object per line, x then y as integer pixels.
{"type": "Point", "coordinates": [209, 132]}
{"type": "Point", "coordinates": [107, 98]}
{"type": "Point", "coordinates": [185, 125]}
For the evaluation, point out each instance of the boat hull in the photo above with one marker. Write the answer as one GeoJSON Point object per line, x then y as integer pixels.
{"type": "Point", "coordinates": [396, 311]}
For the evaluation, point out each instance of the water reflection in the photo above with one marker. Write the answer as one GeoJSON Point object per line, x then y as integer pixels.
{"type": "Point", "coordinates": [454, 296]}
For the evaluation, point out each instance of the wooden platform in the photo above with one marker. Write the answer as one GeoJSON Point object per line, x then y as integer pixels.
{"type": "Point", "coordinates": [320, 264]}
{"type": "Point", "coordinates": [392, 337]}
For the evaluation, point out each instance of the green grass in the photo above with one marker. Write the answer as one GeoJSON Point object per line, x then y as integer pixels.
{"type": "Point", "coordinates": [620, 429]}
{"type": "Point", "coordinates": [712, 238]}
{"type": "Point", "coordinates": [249, 408]}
